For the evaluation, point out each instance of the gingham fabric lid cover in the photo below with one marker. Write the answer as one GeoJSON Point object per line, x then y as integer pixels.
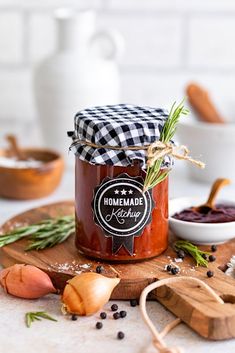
{"type": "Point", "coordinates": [120, 126]}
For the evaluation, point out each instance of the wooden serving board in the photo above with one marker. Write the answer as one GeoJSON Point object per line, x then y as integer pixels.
{"type": "Point", "coordinates": [188, 301]}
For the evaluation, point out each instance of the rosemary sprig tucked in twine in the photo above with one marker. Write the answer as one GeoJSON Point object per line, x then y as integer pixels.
{"type": "Point", "coordinates": [44, 234]}
{"type": "Point", "coordinates": [157, 150]}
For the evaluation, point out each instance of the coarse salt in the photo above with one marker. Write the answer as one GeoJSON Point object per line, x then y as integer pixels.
{"type": "Point", "coordinates": [15, 163]}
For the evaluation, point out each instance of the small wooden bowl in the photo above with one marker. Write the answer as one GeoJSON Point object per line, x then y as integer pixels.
{"type": "Point", "coordinates": [32, 183]}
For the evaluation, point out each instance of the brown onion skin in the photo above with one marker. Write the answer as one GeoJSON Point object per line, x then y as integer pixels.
{"type": "Point", "coordinates": [26, 281]}
{"type": "Point", "coordinates": [87, 293]}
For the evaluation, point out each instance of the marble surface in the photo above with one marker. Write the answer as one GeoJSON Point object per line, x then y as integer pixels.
{"type": "Point", "coordinates": [81, 335]}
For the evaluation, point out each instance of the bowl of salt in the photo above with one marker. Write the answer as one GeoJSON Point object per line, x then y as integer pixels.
{"type": "Point", "coordinates": [28, 173]}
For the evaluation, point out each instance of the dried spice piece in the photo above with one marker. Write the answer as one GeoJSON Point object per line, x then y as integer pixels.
{"type": "Point", "coordinates": [133, 302]}
{"type": "Point", "coordinates": [205, 256]}
{"type": "Point", "coordinates": [210, 274]}
{"type": "Point", "coordinates": [212, 258]}
{"type": "Point", "coordinates": [26, 281]}
{"type": "Point", "coordinates": [99, 269]}
{"type": "Point", "coordinates": [85, 294]}
{"type": "Point", "coordinates": [120, 335]}
{"type": "Point", "coordinates": [99, 325]}
{"type": "Point", "coordinates": [123, 314]}
{"type": "Point", "coordinates": [44, 234]}
{"type": "Point", "coordinates": [181, 254]}
{"type": "Point", "coordinates": [116, 316]}
{"type": "Point", "coordinates": [175, 270]}
{"type": "Point", "coordinates": [214, 248]}
{"type": "Point", "coordinates": [168, 268]}
{"type": "Point", "coordinates": [193, 251]}
{"type": "Point", "coordinates": [30, 317]}
{"type": "Point", "coordinates": [114, 307]}
{"type": "Point", "coordinates": [103, 315]}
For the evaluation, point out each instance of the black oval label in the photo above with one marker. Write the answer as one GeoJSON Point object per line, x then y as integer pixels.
{"type": "Point", "coordinates": [121, 209]}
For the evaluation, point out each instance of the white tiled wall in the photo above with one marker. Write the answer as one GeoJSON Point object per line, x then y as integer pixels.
{"type": "Point", "coordinates": [168, 43]}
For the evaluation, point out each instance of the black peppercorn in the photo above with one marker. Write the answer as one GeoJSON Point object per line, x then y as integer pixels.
{"type": "Point", "coordinates": [181, 254]}
{"type": "Point", "coordinates": [116, 316]}
{"type": "Point", "coordinates": [175, 270]}
{"type": "Point", "coordinates": [123, 313]}
{"type": "Point", "coordinates": [114, 307]}
{"type": "Point", "coordinates": [212, 258]}
{"type": "Point", "coordinates": [213, 248]}
{"type": "Point", "coordinates": [99, 325]}
{"type": "Point", "coordinates": [74, 317]}
{"type": "Point", "coordinates": [210, 274]}
{"type": "Point", "coordinates": [99, 269]}
{"type": "Point", "coordinates": [205, 256]}
{"type": "Point", "coordinates": [120, 335]}
{"type": "Point", "coordinates": [133, 302]}
{"type": "Point", "coordinates": [168, 268]}
{"type": "Point", "coordinates": [103, 315]}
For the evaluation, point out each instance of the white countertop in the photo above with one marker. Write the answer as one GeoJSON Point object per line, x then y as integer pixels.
{"type": "Point", "coordinates": [81, 335]}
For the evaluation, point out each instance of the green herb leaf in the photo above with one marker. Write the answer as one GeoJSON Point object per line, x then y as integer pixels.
{"type": "Point", "coordinates": [30, 317]}
{"type": "Point", "coordinates": [154, 173]}
{"type": "Point", "coordinates": [44, 234]}
{"type": "Point", "coordinates": [193, 251]}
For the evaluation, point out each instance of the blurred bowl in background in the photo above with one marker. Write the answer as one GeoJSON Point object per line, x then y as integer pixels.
{"type": "Point", "coordinates": [213, 144]}
{"type": "Point", "coordinates": [32, 183]}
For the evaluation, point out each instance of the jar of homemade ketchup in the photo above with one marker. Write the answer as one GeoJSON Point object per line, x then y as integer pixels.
{"type": "Point", "coordinates": [115, 219]}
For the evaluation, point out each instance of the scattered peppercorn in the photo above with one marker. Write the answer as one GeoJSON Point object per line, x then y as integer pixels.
{"type": "Point", "coordinates": [116, 316]}
{"type": "Point", "coordinates": [114, 307]}
{"type": "Point", "coordinates": [205, 256]}
{"type": "Point", "coordinates": [133, 302]}
{"type": "Point", "coordinates": [99, 325]}
{"type": "Point", "coordinates": [210, 274]}
{"type": "Point", "coordinates": [74, 317]}
{"type": "Point", "coordinates": [120, 335]}
{"type": "Point", "coordinates": [175, 270]}
{"type": "Point", "coordinates": [123, 313]}
{"type": "Point", "coordinates": [213, 248]}
{"type": "Point", "coordinates": [212, 258]}
{"type": "Point", "coordinates": [168, 268]}
{"type": "Point", "coordinates": [181, 254]}
{"type": "Point", "coordinates": [103, 315]}
{"type": "Point", "coordinates": [99, 269]}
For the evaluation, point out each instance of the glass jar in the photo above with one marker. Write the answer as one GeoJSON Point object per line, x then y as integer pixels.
{"type": "Point", "coordinates": [91, 239]}
{"type": "Point", "coordinates": [115, 219]}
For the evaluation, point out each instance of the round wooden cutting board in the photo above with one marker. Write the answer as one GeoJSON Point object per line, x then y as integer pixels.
{"type": "Point", "coordinates": [189, 302]}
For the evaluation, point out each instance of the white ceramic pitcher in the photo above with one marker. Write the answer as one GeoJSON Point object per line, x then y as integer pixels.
{"type": "Point", "coordinates": [78, 75]}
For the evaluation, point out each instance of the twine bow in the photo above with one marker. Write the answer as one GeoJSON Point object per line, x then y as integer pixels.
{"type": "Point", "coordinates": [159, 149]}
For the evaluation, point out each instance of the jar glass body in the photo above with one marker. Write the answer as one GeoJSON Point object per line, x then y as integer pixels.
{"type": "Point", "coordinates": [90, 238]}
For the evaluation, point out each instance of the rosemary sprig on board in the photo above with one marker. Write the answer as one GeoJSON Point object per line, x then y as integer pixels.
{"type": "Point", "coordinates": [192, 250]}
{"type": "Point", "coordinates": [44, 234]}
{"type": "Point", "coordinates": [154, 173]}
{"type": "Point", "coordinates": [30, 317]}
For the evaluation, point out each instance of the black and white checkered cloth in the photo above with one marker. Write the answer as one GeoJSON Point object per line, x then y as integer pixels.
{"type": "Point", "coordinates": [120, 125]}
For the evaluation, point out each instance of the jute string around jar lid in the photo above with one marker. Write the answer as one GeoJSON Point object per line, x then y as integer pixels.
{"type": "Point", "coordinates": [158, 342]}
{"type": "Point", "coordinates": [155, 151]}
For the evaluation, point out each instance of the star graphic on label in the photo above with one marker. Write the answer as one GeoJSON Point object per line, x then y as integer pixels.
{"type": "Point", "coordinates": [116, 192]}
{"type": "Point", "coordinates": [130, 192]}
{"type": "Point", "coordinates": [123, 192]}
